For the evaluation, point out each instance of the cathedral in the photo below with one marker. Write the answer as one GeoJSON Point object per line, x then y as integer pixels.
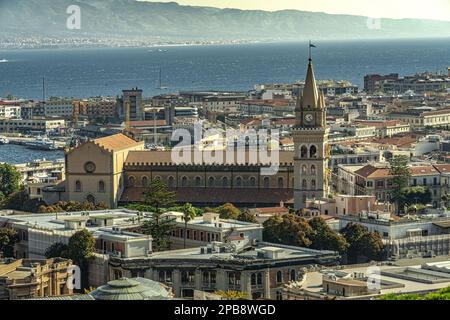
{"type": "Point", "coordinates": [116, 170]}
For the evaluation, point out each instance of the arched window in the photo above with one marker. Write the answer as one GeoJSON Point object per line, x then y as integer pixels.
{"type": "Point", "coordinates": [131, 181]}
{"type": "Point", "coordinates": [144, 182]}
{"type": "Point", "coordinates": [225, 182]}
{"type": "Point", "coordinates": [90, 198]}
{"type": "Point", "coordinates": [313, 170]}
{"type": "Point", "coordinates": [304, 184]}
{"type": "Point", "coordinates": [292, 275]}
{"type": "Point", "coordinates": [171, 182]}
{"type": "Point", "coordinates": [304, 170]}
{"type": "Point", "coordinates": [304, 152]}
{"type": "Point", "coordinates": [157, 178]}
{"type": "Point", "coordinates": [280, 182]}
{"type": "Point", "coordinates": [101, 186]}
{"type": "Point", "coordinates": [259, 279]}
{"type": "Point", "coordinates": [266, 182]}
{"type": "Point", "coordinates": [252, 182]}
{"type": "Point", "coordinates": [211, 182]}
{"type": "Point", "coordinates": [279, 277]}
{"type": "Point", "coordinates": [239, 182]}
{"type": "Point", "coordinates": [184, 182]}
{"type": "Point", "coordinates": [198, 182]}
{"type": "Point", "coordinates": [313, 152]}
{"type": "Point", "coordinates": [253, 279]}
{"type": "Point", "coordinates": [78, 186]}
{"type": "Point", "coordinates": [313, 184]}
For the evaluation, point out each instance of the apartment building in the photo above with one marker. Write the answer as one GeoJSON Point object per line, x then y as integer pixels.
{"type": "Point", "coordinates": [261, 271]}
{"type": "Point", "coordinates": [31, 125]}
{"type": "Point", "coordinates": [34, 278]}
{"type": "Point", "coordinates": [201, 231]}
{"type": "Point", "coordinates": [60, 108]}
{"type": "Point", "coordinates": [112, 230]}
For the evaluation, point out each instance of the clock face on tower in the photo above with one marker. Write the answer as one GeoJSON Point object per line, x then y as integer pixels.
{"type": "Point", "coordinates": [309, 118]}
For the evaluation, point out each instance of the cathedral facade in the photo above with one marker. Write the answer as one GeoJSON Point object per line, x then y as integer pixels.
{"type": "Point", "coordinates": [117, 170]}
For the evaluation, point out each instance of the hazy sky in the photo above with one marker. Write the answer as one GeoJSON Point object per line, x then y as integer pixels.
{"type": "Point", "coordinates": [426, 9]}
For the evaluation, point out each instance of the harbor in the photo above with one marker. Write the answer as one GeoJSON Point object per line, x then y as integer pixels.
{"type": "Point", "coordinates": [37, 143]}
{"type": "Point", "coordinates": [16, 154]}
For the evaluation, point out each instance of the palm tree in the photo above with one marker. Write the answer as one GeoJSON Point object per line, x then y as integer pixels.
{"type": "Point", "coordinates": [188, 214]}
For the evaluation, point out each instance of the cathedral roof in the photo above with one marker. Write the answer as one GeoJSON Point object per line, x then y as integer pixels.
{"type": "Point", "coordinates": [165, 158]}
{"type": "Point", "coordinates": [116, 142]}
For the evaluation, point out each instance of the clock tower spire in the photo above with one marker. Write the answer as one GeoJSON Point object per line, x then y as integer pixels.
{"type": "Point", "coordinates": [310, 140]}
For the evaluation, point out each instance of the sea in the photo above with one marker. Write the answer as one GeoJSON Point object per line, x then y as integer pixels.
{"type": "Point", "coordinates": [16, 154]}
{"type": "Point", "coordinates": [94, 72]}
{"type": "Point", "coordinates": [107, 71]}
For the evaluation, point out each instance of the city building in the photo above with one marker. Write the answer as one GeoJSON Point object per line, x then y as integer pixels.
{"type": "Point", "coordinates": [112, 230]}
{"type": "Point", "coordinates": [92, 108]}
{"type": "Point", "coordinates": [9, 111]}
{"type": "Point", "coordinates": [261, 270]}
{"type": "Point", "coordinates": [419, 119]}
{"type": "Point", "coordinates": [58, 108]}
{"type": "Point", "coordinates": [31, 278]}
{"type": "Point", "coordinates": [132, 97]}
{"type": "Point", "coordinates": [373, 82]}
{"type": "Point", "coordinates": [203, 230]}
{"type": "Point", "coordinates": [407, 237]}
{"type": "Point", "coordinates": [34, 125]}
{"type": "Point", "coordinates": [95, 170]}
{"type": "Point", "coordinates": [278, 107]}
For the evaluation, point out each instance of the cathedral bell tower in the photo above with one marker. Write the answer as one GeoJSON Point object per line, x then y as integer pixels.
{"type": "Point", "coordinates": [310, 141]}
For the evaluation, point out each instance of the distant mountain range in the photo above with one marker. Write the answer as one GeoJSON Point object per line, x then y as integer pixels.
{"type": "Point", "coordinates": [129, 19]}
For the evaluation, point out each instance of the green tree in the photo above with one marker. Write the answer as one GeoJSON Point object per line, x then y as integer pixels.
{"type": "Point", "coordinates": [57, 250]}
{"type": "Point", "coordinates": [442, 294]}
{"type": "Point", "coordinates": [228, 211]}
{"type": "Point", "coordinates": [21, 201]}
{"type": "Point", "coordinates": [71, 206]}
{"type": "Point", "coordinates": [401, 174]}
{"type": "Point", "coordinates": [188, 214]}
{"type": "Point", "coordinates": [160, 227]}
{"type": "Point", "coordinates": [158, 196]}
{"type": "Point", "coordinates": [362, 242]}
{"type": "Point", "coordinates": [232, 295]}
{"type": "Point", "coordinates": [81, 247]}
{"type": "Point", "coordinates": [9, 180]}
{"type": "Point", "coordinates": [415, 195]}
{"type": "Point", "coordinates": [324, 238]}
{"type": "Point", "coordinates": [288, 229]}
{"type": "Point", "coordinates": [8, 239]}
{"type": "Point", "coordinates": [247, 216]}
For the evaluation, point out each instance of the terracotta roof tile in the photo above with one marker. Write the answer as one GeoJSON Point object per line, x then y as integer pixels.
{"type": "Point", "coordinates": [116, 142]}
{"type": "Point", "coordinates": [423, 170]}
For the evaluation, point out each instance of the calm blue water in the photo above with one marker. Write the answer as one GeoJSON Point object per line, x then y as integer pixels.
{"type": "Point", "coordinates": [15, 154]}
{"type": "Point", "coordinates": [93, 72]}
